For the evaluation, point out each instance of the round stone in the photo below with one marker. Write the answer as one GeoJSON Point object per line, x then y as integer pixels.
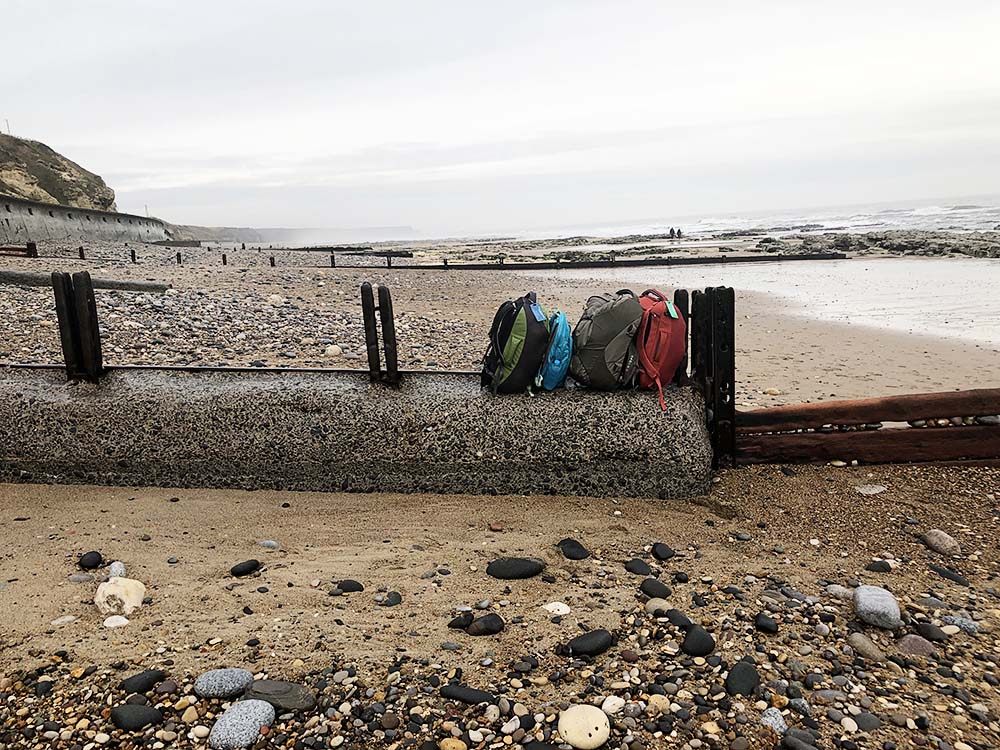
{"type": "Point", "coordinates": [638, 567]}
{"type": "Point", "coordinates": [244, 568]}
{"type": "Point", "coordinates": [863, 645]}
{"type": "Point", "coordinates": [142, 682]}
{"type": "Point", "coordinates": [584, 727]}
{"type": "Point", "coordinates": [742, 679]}
{"type": "Point", "coordinates": [876, 606]}
{"type": "Point", "coordinates": [656, 605]}
{"type": "Point", "coordinates": [223, 683]}
{"type": "Point", "coordinates": [131, 717]}
{"type": "Point", "coordinates": [240, 725]}
{"type": "Point", "coordinates": [512, 568]}
{"type": "Point", "coordinates": [698, 642]}
{"type": "Point", "coordinates": [655, 589]}
{"type": "Point", "coordinates": [490, 624]}
{"type": "Point", "coordinates": [662, 551]}
{"type": "Point", "coordinates": [590, 644]}
{"type": "Point", "coordinates": [350, 586]}
{"type": "Point", "coordinates": [90, 560]}
{"type": "Point", "coordinates": [573, 550]}
{"type": "Point", "coordinates": [914, 645]}
{"type": "Point", "coordinates": [941, 542]}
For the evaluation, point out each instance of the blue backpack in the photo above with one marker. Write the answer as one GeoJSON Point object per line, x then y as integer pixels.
{"type": "Point", "coordinates": [555, 364]}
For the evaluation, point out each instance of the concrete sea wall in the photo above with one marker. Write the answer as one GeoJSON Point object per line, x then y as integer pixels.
{"type": "Point", "coordinates": [338, 432]}
{"type": "Point", "coordinates": [24, 221]}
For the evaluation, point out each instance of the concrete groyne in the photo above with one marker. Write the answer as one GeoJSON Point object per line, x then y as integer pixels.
{"type": "Point", "coordinates": [339, 432]}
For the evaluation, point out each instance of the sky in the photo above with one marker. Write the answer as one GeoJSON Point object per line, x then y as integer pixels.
{"type": "Point", "coordinates": [474, 117]}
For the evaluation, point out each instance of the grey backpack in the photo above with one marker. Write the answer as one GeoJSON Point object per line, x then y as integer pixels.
{"type": "Point", "coordinates": [604, 353]}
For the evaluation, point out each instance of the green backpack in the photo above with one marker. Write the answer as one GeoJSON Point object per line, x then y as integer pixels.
{"type": "Point", "coordinates": [519, 337]}
{"type": "Point", "coordinates": [604, 353]}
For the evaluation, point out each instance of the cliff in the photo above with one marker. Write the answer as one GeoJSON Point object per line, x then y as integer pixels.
{"type": "Point", "coordinates": [33, 171]}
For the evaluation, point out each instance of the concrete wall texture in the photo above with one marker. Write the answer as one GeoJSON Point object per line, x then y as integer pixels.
{"type": "Point", "coordinates": [24, 221]}
{"type": "Point", "coordinates": [338, 432]}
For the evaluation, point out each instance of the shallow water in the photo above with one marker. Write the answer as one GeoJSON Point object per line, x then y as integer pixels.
{"type": "Point", "coordinates": [947, 297]}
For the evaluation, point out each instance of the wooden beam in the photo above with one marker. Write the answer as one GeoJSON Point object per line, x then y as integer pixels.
{"type": "Point", "coordinates": [984, 401]}
{"type": "Point", "coordinates": [682, 303]}
{"type": "Point", "coordinates": [723, 301]}
{"type": "Point", "coordinates": [904, 445]}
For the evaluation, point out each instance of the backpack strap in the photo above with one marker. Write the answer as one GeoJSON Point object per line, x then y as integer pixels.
{"type": "Point", "coordinates": [644, 361]}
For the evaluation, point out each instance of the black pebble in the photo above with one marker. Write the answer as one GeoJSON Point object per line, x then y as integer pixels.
{"type": "Point", "coordinates": [698, 642]}
{"type": "Point", "coordinates": [655, 589]}
{"type": "Point", "coordinates": [765, 624]}
{"type": "Point", "coordinates": [931, 632]}
{"type": "Point", "coordinates": [465, 694]}
{"type": "Point", "coordinates": [245, 568]}
{"type": "Point", "coordinates": [590, 644]}
{"type": "Point", "coordinates": [350, 586]}
{"type": "Point", "coordinates": [131, 717]}
{"type": "Point", "coordinates": [573, 550]}
{"type": "Point", "coordinates": [508, 568]}
{"type": "Point", "coordinates": [142, 682]}
{"type": "Point", "coordinates": [392, 599]}
{"type": "Point", "coordinates": [90, 560]}
{"type": "Point", "coordinates": [950, 574]}
{"type": "Point", "coordinates": [461, 622]}
{"type": "Point", "coordinates": [490, 624]}
{"type": "Point", "coordinates": [638, 567]}
{"type": "Point", "coordinates": [662, 551]}
{"type": "Point", "coordinates": [879, 566]}
{"type": "Point", "coordinates": [742, 679]}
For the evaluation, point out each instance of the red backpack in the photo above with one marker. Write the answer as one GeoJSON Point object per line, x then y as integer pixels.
{"type": "Point", "coordinates": [661, 341]}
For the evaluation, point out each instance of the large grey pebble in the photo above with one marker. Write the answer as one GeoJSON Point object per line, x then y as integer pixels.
{"type": "Point", "coordinates": [877, 607]}
{"type": "Point", "coordinates": [941, 542]}
{"type": "Point", "coordinates": [864, 646]}
{"type": "Point", "coordinates": [116, 569]}
{"type": "Point", "coordinates": [223, 683]}
{"type": "Point", "coordinates": [240, 725]}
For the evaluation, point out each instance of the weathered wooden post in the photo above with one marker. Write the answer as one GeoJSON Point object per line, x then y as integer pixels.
{"type": "Point", "coordinates": [91, 358]}
{"type": "Point", "coordinates": [391, 376]}
{"type": "Point", "coordinates": [82, 255]}
{"type": "Point", "coordinates": [69, 333]}
{"type": "Point", "coordinates": [333, 260]}
{"type": "Point", "coordinates": [178, 257]}
{"type": "Point", "coordinates": [371, 333]}
{"type": "Point", "coordinates": [272, 261]}
{"type": "Point", "coordinates": [32, 249]}
{"type": "Point", "coordinates": [132, 253]}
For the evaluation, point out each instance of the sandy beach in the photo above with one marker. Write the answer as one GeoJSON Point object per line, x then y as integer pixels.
{"type": "Point", "coordinates": [765, 542]}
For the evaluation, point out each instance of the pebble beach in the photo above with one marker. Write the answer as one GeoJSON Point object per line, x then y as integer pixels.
{"type": "Point", "coordinates": [812, 607]}
{"type": "Point", "coordinates": [802, 607]}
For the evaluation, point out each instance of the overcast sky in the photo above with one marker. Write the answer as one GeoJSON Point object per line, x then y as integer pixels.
{"type": "Point", "coordinates": [461, 117]}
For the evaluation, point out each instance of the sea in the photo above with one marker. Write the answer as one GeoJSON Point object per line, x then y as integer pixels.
{"type": "Point", "coordinates": [949, 297]}
{"type": "Point", "coordinates": [963, 214]}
